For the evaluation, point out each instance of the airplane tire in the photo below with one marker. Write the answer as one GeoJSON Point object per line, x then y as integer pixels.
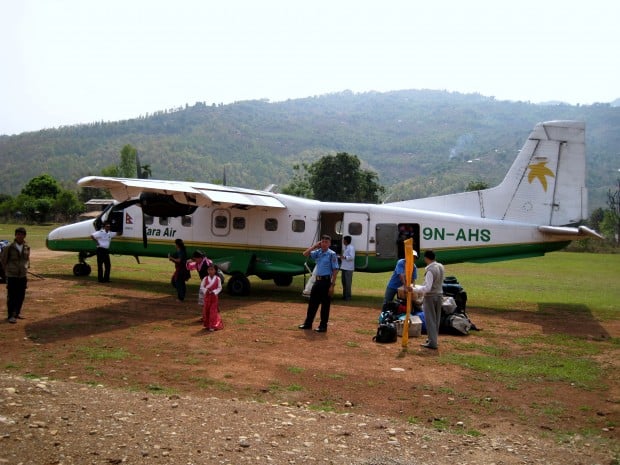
{"type": "Point", "coordinates": [81, 269]}
{"type": "Point", "coordinates": [238, 285]}
{"type": "Point", "coordinates": [283, 280]}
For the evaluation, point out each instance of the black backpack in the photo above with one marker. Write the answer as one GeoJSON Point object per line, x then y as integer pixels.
{"type": "Point", "coordinates": [386, 333]}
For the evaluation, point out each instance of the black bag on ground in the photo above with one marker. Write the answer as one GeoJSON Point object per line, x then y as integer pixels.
{"type": "Point", "coordinates": [386, 333]}
{"type": "Point", "coordinates": [388, 313]}
{"type": "Point", "coordinates": [456, 323]}
{"type": "Point", "coordinates": [452, 288]}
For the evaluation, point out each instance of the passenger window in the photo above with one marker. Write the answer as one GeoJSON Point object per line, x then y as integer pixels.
{"type": "Point", "coordinates": [355, 229]}
{"type": "Point", "coordinates": [298, 226]}
{"type": "Point", "coordinates": [271, 224]}
{"type": "Point", "coordinates": [148, 220]}
{"type": "Point", "coordinates": [238, 222]}
{"type": "Point", "coordinates": [163, 220]}
{"type": "Point", "coordinates": [186, 221]}
{"type": "Point", "coordinates": [221, 222]}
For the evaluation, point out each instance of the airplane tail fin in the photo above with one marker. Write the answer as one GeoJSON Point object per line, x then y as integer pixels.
{"type": "Point", "coordinates": [545, 185]}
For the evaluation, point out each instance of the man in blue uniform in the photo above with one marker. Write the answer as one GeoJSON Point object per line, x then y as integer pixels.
{"type": "Point", "coordinates": [323, 288]}
{"type": "Point", "coordinates": [398, 279]}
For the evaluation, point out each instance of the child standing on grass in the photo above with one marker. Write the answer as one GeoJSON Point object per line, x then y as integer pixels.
{"type": "Point", "coordinates": [211, 286]}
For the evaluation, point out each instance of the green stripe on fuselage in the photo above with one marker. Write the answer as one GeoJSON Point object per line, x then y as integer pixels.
{"type": "Point", "coordinates": [289, 260]}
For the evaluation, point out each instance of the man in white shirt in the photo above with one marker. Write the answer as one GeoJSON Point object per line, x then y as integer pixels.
{"type": "Point", "coordinates": [433, 292]}
{"type": "Point", "coordinates": [347, 266]}
{"type": "Point", "coordinates": [103, 238]}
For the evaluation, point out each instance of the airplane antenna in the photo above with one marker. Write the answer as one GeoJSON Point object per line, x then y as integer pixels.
{"type": "Point", "coordinates": [224, 177]}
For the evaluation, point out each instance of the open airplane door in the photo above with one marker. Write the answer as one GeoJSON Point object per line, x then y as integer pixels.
{"type": "Point", "coordinates": [357, 225]}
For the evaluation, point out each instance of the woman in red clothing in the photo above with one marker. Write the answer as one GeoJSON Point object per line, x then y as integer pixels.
{"type": "Point", "coordinates": [211, 286]}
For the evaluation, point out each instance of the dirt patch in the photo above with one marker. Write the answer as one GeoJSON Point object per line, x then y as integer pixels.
{"type": "Point", "coordinates": [121, 337]}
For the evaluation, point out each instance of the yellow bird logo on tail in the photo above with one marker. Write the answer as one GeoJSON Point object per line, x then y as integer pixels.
{"type": "Point", "coordinates": [540, 172]}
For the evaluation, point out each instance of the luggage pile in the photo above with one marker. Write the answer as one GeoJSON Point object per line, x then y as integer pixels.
{"type": "Point", "coordinates": [454, 318]}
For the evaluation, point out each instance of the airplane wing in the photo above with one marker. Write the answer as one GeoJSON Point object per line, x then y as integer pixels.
{"type": "Point", "coordinates": [188, 193]}
{"type": "Point", "coordinates": [580, 232]}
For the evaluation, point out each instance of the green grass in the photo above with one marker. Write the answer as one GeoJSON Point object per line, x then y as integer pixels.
{"type": "Point", "coordinates": [542, 365]}
{"type": "Point", "coordinates": [325, 406]}
{"type": "Point", "coordinates": [104, 353]}
{"type": "Point", "coordinates": [295, 370]}
{"type": "Point", "coordinates": [579, 281]}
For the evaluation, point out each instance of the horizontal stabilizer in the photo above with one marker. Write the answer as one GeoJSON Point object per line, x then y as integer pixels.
{"type": "Point", "coordinates": [577, 233]}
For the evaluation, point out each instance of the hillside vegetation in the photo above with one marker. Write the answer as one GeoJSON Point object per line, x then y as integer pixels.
{"type": "Point", "coordinates": [419, 142]}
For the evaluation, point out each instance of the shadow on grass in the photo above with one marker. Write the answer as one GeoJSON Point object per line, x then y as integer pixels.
{"type": "Point", "coordinates": [555, 318]}
{"type": "Point", "coordinates": [83, 317]}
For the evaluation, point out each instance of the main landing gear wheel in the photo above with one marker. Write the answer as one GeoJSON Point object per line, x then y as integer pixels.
{"type": "Point", "coordinates": [238, 285]}
{"type": "Point", "coordinates": [81, 269]}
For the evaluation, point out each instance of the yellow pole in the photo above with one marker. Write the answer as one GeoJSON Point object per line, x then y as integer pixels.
{"type": "Point", "coordinates": [408, 272]}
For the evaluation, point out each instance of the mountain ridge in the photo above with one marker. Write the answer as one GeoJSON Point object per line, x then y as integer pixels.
{"type": "Point", "coordinates": [420, 142]}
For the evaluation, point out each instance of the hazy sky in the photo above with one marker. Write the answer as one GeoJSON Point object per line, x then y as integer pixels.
{"type": "Point", "coordinates": [66, 62]}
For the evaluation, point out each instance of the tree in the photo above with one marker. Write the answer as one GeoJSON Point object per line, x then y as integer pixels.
{"type": "Point", "coordinates": [41, 199]}
{"type": "Point", "coordinates": [300, 185]}
{"type": "Point", "coordinates": [111, 172]}
{"type": "Point", "coordinates": [145, 171]}
{"type": "Point", "coordinates": [338, 178]}
{"type": "Point", "coordinates": [611, 219]}
{"type": "Point", "coordinates": [595, 219]}
{"type": "Point", "coordinates": [477, 186]}
{"type": "Point", "coordinates": [127, 166]}
{"type": "Point", "coordinates": [43, 186]}
{"type": "Point", "coordinates": [67, 206]}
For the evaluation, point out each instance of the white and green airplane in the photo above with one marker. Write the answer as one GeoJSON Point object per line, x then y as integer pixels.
{"type": "Point", "coordinates": [536, 209]}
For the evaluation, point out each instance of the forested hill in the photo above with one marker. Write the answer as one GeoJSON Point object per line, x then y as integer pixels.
{"type": "Point", "coordinates": [420, 142]}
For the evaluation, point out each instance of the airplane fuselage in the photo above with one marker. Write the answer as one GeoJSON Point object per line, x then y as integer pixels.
{"type": "Point", "coordinates": [266, 242]}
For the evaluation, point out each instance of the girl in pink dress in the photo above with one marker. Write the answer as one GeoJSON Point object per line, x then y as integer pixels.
{"type": "Point", "coordinates": [211, 286]}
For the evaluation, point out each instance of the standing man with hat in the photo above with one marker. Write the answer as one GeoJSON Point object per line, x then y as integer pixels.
{"type": "Point", "coordinates": [103, 238]}
{"type": "Point", "coordinates": [323, 288]}
{"type": "Point", "coordinates": [16, 260]}
{"type": "Point", "coordinates": [398, 279]}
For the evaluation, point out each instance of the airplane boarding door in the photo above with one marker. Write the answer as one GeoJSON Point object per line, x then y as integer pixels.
{"type": "Point", "coordinates": [331, 224]}
{"type": "Point", "coordinates": [357, 225]}
{"type": "Point", "coordinates": [391, 237]}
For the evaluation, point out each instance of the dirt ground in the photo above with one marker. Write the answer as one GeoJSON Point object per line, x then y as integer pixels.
{"type": "Point", "coordinates": [116, 335]}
